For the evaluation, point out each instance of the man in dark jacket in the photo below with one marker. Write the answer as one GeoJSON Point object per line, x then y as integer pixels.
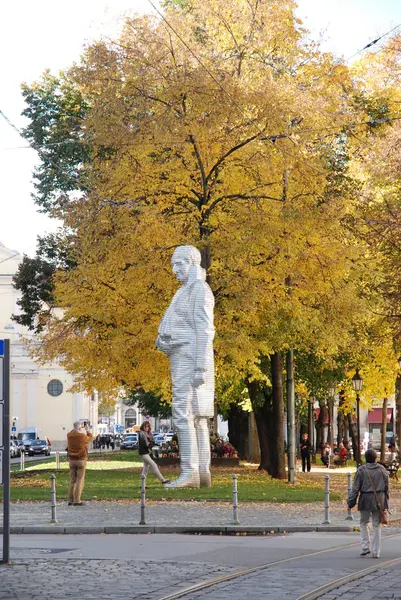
{"type": "Point", "coordinates": [305, 451]}
{"type": "Point", "coordinates": [370, 478]}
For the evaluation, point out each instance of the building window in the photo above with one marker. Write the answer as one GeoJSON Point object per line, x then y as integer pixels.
{"type": "Point", "coordinates": [130, 418]}
{"type": "Point", "coordinates": [55, 387]}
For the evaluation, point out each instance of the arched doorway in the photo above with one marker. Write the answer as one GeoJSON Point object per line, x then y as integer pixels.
{"type": "Point", "coordinates": [130, 418]}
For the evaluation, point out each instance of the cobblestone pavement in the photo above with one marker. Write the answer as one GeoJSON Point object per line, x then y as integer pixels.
{"type": "Point", "coordinates": [180, 513]}
{"type": "Point", "coordinates": [384, 584]}
{"type": "Point", "coordinates": [272, 584]}
{"type": "Point", "coordinates": [100, 579]}
{"type": "Point", "coordinates": [56, 577]}
{"type": "Point", "coordinates": [71, 579]}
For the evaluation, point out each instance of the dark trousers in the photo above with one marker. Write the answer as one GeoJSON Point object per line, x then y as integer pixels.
{"type": "Point", "coordinates": [306, 461]}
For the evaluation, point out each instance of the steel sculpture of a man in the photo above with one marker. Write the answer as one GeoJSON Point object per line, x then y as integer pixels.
{"type": "Point", "coordinates": [186, 335]}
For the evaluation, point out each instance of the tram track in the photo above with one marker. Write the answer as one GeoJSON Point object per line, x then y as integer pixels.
{"type": "Point", "coordinates": [311, 595]}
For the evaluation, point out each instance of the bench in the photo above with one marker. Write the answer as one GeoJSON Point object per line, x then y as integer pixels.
{"type": "Point", "coordinates": [392, 469]}
{"type": "Point", "coordinates": [336, 461]}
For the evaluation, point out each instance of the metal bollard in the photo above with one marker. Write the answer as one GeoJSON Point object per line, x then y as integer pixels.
{"type": "Point", "coordinates": [235, 501]}
{"type": "Point", "coordinates": [349, 516]}
{"type": "Point", "coordinates": [53, 498]}
{"type": "Point", "coordinates": [22, 461]}
{"type": "Point", "coordinates": [326, 500]}
{"type": "Point", "coordinates": [58, 461]}
{"type": "Point", "coordinates": [143, 500]}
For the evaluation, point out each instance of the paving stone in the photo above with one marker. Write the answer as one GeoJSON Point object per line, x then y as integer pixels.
{"type": "Point", "coordinates": [270, 516]}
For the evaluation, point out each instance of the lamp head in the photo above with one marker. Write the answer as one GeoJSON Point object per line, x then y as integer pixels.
{"type": "Point", "coordinates": [357, 382]}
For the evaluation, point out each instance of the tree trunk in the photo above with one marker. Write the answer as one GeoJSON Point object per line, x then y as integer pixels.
{"type": "Point", "coordinates": [397, 430]}
{"type": "Point", "coordinates": [354, 436]}
{"type": "Point", "coordinates": [330, 431]}
{"type": "Point", "coordinates": [341, 428]}
{"type": "Point", "coordinates": [261, 418]}
{"type": "Point", "coordinates": [311, 421]}
{"type": "Point", "coordinates": [238, 430]}
{"type": "Point", "coordinates": [268, 407]}
{"type": "Point", "coordinates": [383, 432]}
{"type": "Point", "coordinates": [278, 456]}
{"type": "Point", "coordinates": [253, 439]}
{"type": "Point", "coordinates": [320, 425]}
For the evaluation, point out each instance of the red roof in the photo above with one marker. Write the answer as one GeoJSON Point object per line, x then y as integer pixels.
{"type": "Point", "coordinates": [375, 415]}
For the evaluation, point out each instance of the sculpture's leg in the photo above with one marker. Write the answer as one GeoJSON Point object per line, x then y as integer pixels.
{"type": "Point", "coordinates": [203, 439]}
{"type": "Point", "coordinates": [182, 370]}
{"type": "Point", "coordinates": [189, 458]}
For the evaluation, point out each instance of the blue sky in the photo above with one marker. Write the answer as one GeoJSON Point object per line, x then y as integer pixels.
{"type": "Point", "coordinates": [48, 34]}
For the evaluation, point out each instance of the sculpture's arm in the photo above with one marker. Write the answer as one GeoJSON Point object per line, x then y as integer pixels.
{"type": "Point", "coordinates": [204, 328]}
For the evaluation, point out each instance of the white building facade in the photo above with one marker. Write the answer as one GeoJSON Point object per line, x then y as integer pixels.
{"type": "Point", "coordinates": [39, 393]}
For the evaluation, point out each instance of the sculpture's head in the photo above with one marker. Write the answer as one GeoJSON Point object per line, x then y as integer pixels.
{"type": "Point", "coordinates": [182, 260]}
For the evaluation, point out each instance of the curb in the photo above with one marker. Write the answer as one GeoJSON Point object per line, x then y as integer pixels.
{"type": "Point", "coordinates": [165, 529]}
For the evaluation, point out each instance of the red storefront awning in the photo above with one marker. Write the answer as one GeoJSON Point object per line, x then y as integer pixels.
{"type": "Point", "coordinates": [375, 415]}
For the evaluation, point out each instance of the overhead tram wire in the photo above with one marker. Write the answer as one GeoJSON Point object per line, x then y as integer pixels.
{"type": "Point", "coordinates": [298, 132]}
{"type": "Point", "coordinates": [35, 147]}
{"type": "Point", "coordinates": [330, 130]}
{"type": "Point", "coordinates": [271, 139]}
{"type": "Point", "coordinates": [373, 42]}
{"type": "Point", "coordinates": [233, 101]}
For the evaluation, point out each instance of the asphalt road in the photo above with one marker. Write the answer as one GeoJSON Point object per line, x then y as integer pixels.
{"type": "Point", "coordinates": [17, 460]}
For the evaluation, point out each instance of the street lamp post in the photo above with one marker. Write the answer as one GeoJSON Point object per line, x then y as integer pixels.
{"type": "Point", "coordinates": [357, 383]}
{"type": "Point", "coordinates": [397, 421]}
{"type": "Point", "coordinates": [311, 421]}
{"type": "Point", "coordinates": [332, 392]}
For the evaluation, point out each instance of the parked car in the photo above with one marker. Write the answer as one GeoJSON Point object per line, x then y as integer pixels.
{"type": "Point", "coordinates": [17, 448]}
{"type": "Point", "coordinates": [12, 450]}
{"type": "Point", "coordinates": [26, 443]}
{"type": "Point", "coordinates": [130, 442]}
{"type": "Point", "coordinates": [39, 447]}
{"type": "Point", "coordinates": [159, 439]}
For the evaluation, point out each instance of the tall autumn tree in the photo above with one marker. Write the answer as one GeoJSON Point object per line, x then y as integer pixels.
{"type": "Point", "coordinates": [221, 127]}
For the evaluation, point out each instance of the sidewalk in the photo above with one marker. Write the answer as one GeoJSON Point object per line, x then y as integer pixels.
{"type": "Point", "coordinates": [182, 516]}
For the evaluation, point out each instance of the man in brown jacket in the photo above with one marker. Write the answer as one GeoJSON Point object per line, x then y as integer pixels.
{"type": "Point", "coordinates": [77, 444]}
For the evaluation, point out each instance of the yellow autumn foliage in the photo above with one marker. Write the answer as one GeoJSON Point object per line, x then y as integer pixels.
{"type": "Point", "coordinates": [217, 127]}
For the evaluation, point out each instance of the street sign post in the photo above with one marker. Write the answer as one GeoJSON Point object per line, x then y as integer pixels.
{"type": "Point", "coordinates": [5, 443]}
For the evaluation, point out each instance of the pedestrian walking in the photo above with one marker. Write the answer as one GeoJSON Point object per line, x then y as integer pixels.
{"type": "Point", "coordinates": [145, 443]}
{"type": "Point", "coordinates": [326, 455]}
{"type": "Point", "coordinates": [77, 452]}
{"type": "Point", "coordinates": [371, 484]}
{"type": "Point", "coordinates": [305, 452]}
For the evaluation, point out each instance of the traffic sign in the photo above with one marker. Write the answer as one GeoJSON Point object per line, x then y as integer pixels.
{"type": "Point", "coordinates": [1, 347]}
{"type": "Point", "coordinates": [12, 429]}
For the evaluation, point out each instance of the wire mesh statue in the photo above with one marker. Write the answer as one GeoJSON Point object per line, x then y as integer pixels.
{"type": "Point", "coordinates": [186, 335]}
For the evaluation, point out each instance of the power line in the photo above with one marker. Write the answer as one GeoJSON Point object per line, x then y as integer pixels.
{"type": "Point", "coordinates": [333, 130]}
{"type": "Point", "coordinates": [373, 42]}
{"type": "Point", "coordinates": [271, 138]}
{"type": "Point", "coordinates": [10, 123]}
